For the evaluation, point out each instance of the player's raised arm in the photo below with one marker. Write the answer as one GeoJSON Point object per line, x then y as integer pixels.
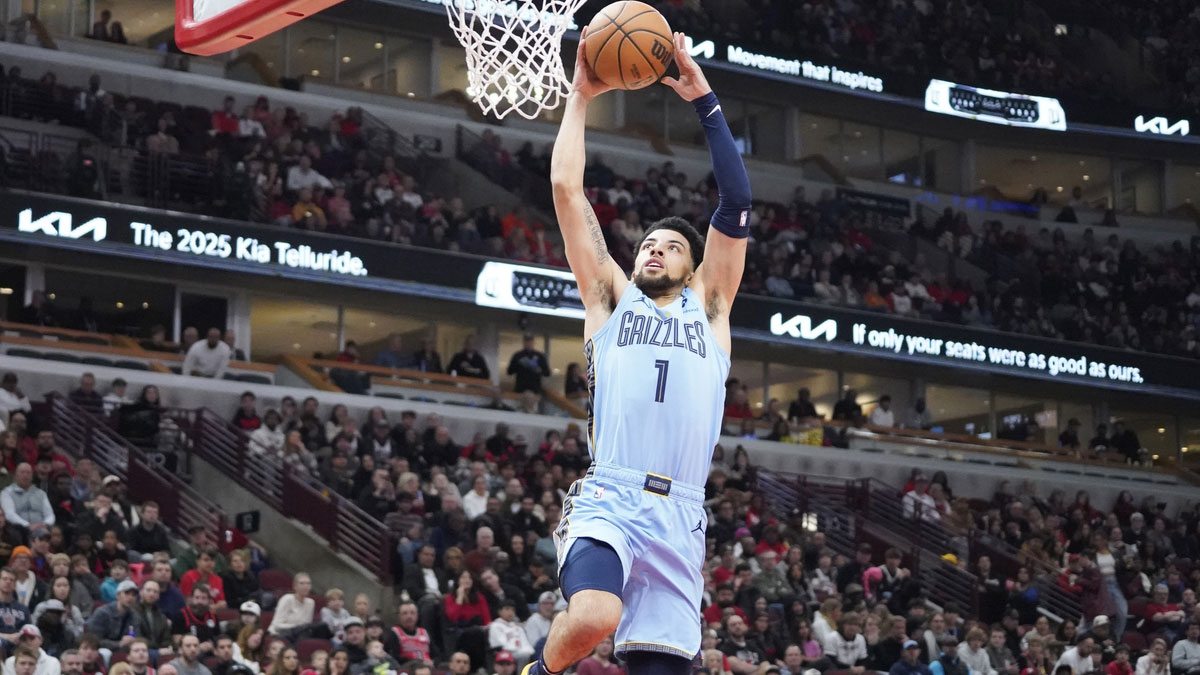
{"type": "Point", "coordinates": [595, 271]}
{"type": "Point", "coordinates": [725, 251]}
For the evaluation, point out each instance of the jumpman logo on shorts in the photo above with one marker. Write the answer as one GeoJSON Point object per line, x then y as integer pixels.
{"type": "Point", "coordinates": [699, 524]}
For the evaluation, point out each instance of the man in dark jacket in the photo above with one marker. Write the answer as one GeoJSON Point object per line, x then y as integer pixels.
{"type": "Point", "coordinates": [113, 623]}
{"type": "Point", "coordinates": [910, 661]}
{"type": "Point", "coordinates": [948, 662]}
{"type": "Point", "coordinates": [149, 622]}
{"type": "Point", "coordinates": [421, 576]}
{"type": "Point", "coordinates": [150, 536]}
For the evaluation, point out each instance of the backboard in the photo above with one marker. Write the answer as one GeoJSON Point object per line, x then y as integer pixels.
{"type": "Point", "coordinates": [207, 27]}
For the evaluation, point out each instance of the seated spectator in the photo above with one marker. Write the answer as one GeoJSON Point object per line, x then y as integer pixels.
{"type": "Point", "coordinates": [188, 661]}
{"type": "Point", "coordinates": [304, 176]}
{"type": "Point", "coordinates": [469, 362]}
{"type": "Point", "coordinates": [28, 661]}
{"type": "Point", "coordinates": [845, 647]}
{"type": "Point", "coordinates": [306, 213]}
{"type": "Point", "coordinates": [910, 661]}
{"type": "Point", "coordinates": [246, 418]}
{"type": "Point", "coordinates": [209, 358]}
{"type": "Point", "coordinates": [1185, 657]}
{"type": "Point", "coordinates": [506, 633]}
{"type": "Point", "coordinates": [24, 503]}
{"type": "Point", "coordinates": [225, 120]}
{"type": "Point", "coordinates": [334, 613]}
{"type": "Point", "coordinates": [378, 660]}
{"type": "Point", "coordinates": [240, 584]}
{"type": "Point", "coordinates": [150, 624]}
{"type": "Point", "coordinates": [426, 359]}
{"type": "Point", "coordinates": [112, 624]}
{"type": "Point", "coordinates": [295, 610]}
{"type": "Point", "coordinates": [948, 662]}
{"type": "Point", "coordinates": [882, 415]}
{"type": "Point", "coordinates": [118, 571]}
{"type": "Point", "coordinates": [149, 535]}
{"type": "Point", "coordinates": [393, 355]}
{"type": "Point", "coordinates": [1156, 661]}
{"type": "Point", "coordinates": [86, 396]}
{"type": "Point", "coordinates": [163, 141]}
{"type": "Point", "coordinates": [1079, 658]}
{"type": "Point", "coordinates": [203, 574]}
{"type": "Point", "coordinates": [466, 607]}
{"type": "Point", "coordinates": [1163, 616]}
{"type": "Point", "coordinates": [197, 620]}
{"type": "Point", "coordinates": [917, 502]}
{"type": "Point", "coordinates": [115, 398]}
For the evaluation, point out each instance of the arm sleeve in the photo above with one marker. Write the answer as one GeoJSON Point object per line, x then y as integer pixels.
{"type": "Point", "coordinates": [10, 509]}
{"type": "Point", "coordinates": [733, 184]}
{"type": "Point", "coordinates": [189, 363]}
{"type": "Point", "coordinates": [47, 511]}
{"type": "Point", "coordinates": [222, 365]}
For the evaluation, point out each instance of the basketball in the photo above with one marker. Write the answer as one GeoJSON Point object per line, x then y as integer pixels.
{"type": "Point", "coordinates": [629, 45]}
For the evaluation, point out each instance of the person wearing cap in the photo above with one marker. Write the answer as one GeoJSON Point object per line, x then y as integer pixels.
{"type": "Point", "coordinates": [113, 623]}
{"type": "Point", "coordinates": [249, 613]}
{"type": "Point", "coordinates": [537, 626]}
{"type": "Point", "coordinates": [506, 632]}
{"type": "Point", "coordinates": [909, 662]}
{"type": "Point", "coordinates": [356, 640]}
{"type": "Point", "coordinates": [506, 664]}
{"type": "Point", "coordinates": [149, 622]}
{"type": "Point", "coordinates": [24, 503]}
{"type": "Point", "coordinates": [30, 638]}
{"type": "Point", "coordinates": [948, 661]}
{"type": "Point", "coordinates": [28, 588]}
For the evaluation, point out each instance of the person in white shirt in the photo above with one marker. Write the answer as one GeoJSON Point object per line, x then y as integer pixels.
{"type": "Point", "coordinates": [918, 500]}
{"type": "Point", "coordinates": [11, 397]}
{"type": "Point", "coordinates": [294, 609]}
{"type": "Point", "coordinates": [846, 647]}
{"type": "Point", "coordinates": [474, 503]}
{"type": "Point", "coordinates": [334, 613]}
{"type": "Point", "coordinates": [538, 625]}
{"type": "Point", "coordinates": [882, 415]}
{"type": "Point", "coordinates": [268, 439]}
{"type": "Point", "coordinates": [115, 398]}
{"type": "Point", "coordinates": [1185, 657]}
{"type": "Point", "coordinates": [972, 653]}
{"type": "Point", "coordinates": [506, 632]}
{"type": "Point", "coordinates": [24, 503]}
{"type": "Point", "coordinates": [30, 637]}
{"type": "Point", "coordinates": [1080, 657]}
{"type": "Point", "coordinates": [1155, 662]}
{"type": "Point", "coordinates": [304, 176]}
{"type": "Point", "coordinates": [209, 358]}
{"type": "Point", "coordinates": [825, 621]}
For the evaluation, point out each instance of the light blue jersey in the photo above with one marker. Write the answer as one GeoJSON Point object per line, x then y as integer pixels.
{"type": "Point", "coordinates": [657, 383]}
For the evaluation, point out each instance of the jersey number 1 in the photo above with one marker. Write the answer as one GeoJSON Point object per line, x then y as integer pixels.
{"type": "Point", "coordinates": [661, 389]}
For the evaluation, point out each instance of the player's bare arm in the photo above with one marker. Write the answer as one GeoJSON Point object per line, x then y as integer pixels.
{"type": "Point", "coordinates": [719, 276]}
{"type": "Point", "coordinates": [600, 280]}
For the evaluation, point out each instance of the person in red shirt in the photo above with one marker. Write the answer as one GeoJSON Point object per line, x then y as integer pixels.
{"type": "Point", "coordinates": [413, 640]}
{"type": "Point", "coordinates": [466, 606]}
{"type": "Point", "coordinates": [1162, 615]}
{"type": "Point", "coordinates": [739, 408]}
{"type": "Point", "coordinates": [714, 614]}
{"type": "Point", "coordinates": [724, 572]}
{"type": "Point", "coordinates": [1120, 665]}
{"type": "Point", "coordinates": [206, 561]}
{"type": "Point", "coordinates": [225, 120]}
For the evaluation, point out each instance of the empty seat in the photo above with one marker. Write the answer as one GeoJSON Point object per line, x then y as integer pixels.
{"type": "Point", "coordinates": [275, 580]}
{"type": "Point", "coordinates": [61, 356]}
{"type": "Point", "coordinates": [96, 361]}
{"type": "Point", "coordinates": [90, 340]}
{"type": "Point", "coordinates": [177, 369]}
{"type": "Point", "coordinates": [131, 365]}
{"type": "Point", "coordinates": [27, 353]}
{"type": "Point", "coordinates": [255, 378]}
{"type": "Point", "coordinates": [382, 394]}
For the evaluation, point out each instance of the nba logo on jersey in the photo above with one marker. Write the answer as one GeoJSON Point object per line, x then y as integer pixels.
{"type": "Point", "coordinates": [745, 217]}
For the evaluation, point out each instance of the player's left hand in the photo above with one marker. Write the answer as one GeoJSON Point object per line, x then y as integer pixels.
{"type": "Point", "coordinates": [585, 82]}
{"type": "Point", "coordinates": [691, 83]}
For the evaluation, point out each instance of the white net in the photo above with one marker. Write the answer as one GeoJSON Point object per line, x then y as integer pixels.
{"type": "Point", "coordinates": [514, 52]}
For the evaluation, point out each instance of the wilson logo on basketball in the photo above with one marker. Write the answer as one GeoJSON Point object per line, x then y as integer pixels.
{"type": "Point", "coordinates": [660, 52]}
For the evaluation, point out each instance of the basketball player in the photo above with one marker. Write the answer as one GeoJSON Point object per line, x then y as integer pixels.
{"type": "Point", "coordinates": [631, 540]}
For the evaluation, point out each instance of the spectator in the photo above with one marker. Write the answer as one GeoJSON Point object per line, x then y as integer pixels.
{"type": "Point", "coordinates": [537, 626]}
{"type": "Point", "coordinates": [149, 535]}
{"type": "Point", "coordinates": [100, 31]}
{"type": "Point", "coordinates": [919, 416]}
{"type": "Point", "coordinates": [948, 661]}
{"type": "Point", "coordinates": [225, 120]}
{"type": "Point", "coordinates": [24, 503]}
{"type": "Point", "coordinates": [246, 418]}
{"type": "Point", "coordinates": [188, 661]}
{"type": "Point", "coordinates": [162, 142]}
{"type": "Point", "coordinates": [304, 176]}
{"type": "Point", "coordinates": [116, 398]}
{"type": "Point", "coordinates": [117, 572]}
{"type": "Point", "coordinates": [306, 213]}
{"type": "Point", "coordinates": [999, 655]}
{"type": "Point", "coordinates": [1069, 438]}
{"type": "Point", "coordinates": [31, 660]}
{"type": "Point", "coordinates": [12, 399]}
{"type": "Point", "coordinates": [802, 408]}
{"type": "Point", "coordinates": [268, 439]}
{"type": "Point", "coordinates": [909, 662]}
{"type": "Point", "coordinates": [295, 609]}
{"type": "Point", "coordinates": [197, 620]}
{"type": "Point", "coordinates": [1080, 658]}
{"type": "Point", "coordinates": [974, 655]}
{"type": "Point", "coordinates": [1185, 657]}
{"type": "Point", "coordinates": [506, 633]}
{"type": "Point", "coordinates": [139, 422]}
{"type": "Point", "coordinates": [575, 385]}
{"type": "Point", "coordinates": [206, 562]}
{"type": "Point", "coordinates": [426, 359]}
{"type": "Point", "coordinates": [86, 396]}
{"type": "Point", "coordinates": [393, 355]}
{"type": "Point", "coordinates": [529, 366]}
{"type": "Point", "coordinates": [1156, 661]}
{"type": "Point", "coordinates": [112, 624]}
{"type": "Point", "coordinates": [149, 623]}
{"type": "Point", "coordinates": [466, 607]}
{"type": "Point", "coordinates": [209, 358]}
{"type": "Point", "coordinates": [882, 415]}
{"type": "Point", "coordinates": [414, 641]}
{"type": "Point", "coordinates": [846, 647]}
{"type": "Point", "coordinates": [741, 646]}
{"type": "Point", "coordinates": [847, 408]}
{"type": "Point", "coordinates": [241, 585]}
{"type": "Point", "coordinates": [738, 407]}
{"type": "Point", "coordinates": [469, 362]}
{"type": "Point", "coordinates": [39, 311]}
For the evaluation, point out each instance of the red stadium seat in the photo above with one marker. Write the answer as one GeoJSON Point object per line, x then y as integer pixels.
{"type": "Point", "coordinates": [275, 580]}
{"type": "Point", "coordinates": [307, 646]}
{"type": "Point", "coordinates": [118, 657]}
{"type": "Point", "coordinates": [1135, 641]}
{"type": "Point", "coordinates": [227, 614]}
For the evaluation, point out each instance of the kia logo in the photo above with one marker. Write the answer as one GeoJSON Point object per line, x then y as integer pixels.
{"type": "Point", "coordinates": [1160, 126]}
{"type": "Point", "coordinates": [62, 224]}
{"type": "Point", "coordinates": [801, 327]}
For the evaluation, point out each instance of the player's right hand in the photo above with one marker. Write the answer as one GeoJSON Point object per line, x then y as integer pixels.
{"type": "Point", "coordinates": [585, 83]}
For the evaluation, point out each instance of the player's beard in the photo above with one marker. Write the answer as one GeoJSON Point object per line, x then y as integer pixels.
{"type": "Point", "coordinates": [655, 286]}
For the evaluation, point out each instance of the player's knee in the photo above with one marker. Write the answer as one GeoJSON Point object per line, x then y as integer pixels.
{"type": "Point", "coordinates": [596, 612]}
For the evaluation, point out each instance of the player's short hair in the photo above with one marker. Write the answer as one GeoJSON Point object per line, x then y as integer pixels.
{"type": "Point", "coordinates": [676, 224]}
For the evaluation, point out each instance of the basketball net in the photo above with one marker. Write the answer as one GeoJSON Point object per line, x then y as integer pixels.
{"type": "Point", "coordinates": [514, 52]}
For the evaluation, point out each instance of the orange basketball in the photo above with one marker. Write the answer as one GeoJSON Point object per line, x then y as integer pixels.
{"type": "Point", "coordinates": [629, 45]}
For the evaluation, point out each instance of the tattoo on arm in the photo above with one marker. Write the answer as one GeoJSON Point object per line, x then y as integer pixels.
{"type": "Point", "coordinates": [598, 245]}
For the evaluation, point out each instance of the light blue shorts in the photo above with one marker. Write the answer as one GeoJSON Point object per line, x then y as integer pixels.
{"type": "Point", "coordinates": [660, 541]}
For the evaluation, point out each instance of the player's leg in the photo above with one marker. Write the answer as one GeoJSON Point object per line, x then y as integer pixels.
{"type": "Point", "coordinates": [656, 663]}
{"type": "Point", "coordinates": [592, 580]}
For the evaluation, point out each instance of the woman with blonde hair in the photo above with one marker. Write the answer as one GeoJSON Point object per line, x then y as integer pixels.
{"type": "Point", "coordinates": [120, 669]}
{"type": "Point", "coordinates": [714, 661]}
